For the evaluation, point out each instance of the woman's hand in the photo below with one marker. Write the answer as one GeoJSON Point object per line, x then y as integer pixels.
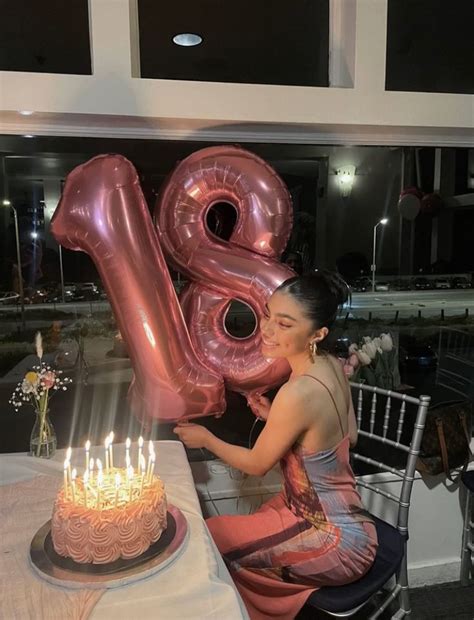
{"type": "Point", "coordinates": [260, 405]}
{"type": "Point", "coordinates": [192, 435]}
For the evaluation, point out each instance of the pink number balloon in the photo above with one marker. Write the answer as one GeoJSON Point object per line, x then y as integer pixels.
{"type": "Point", "coordinates": [244, 268]}
{"type": "Point", "coordinates": [103, 212]}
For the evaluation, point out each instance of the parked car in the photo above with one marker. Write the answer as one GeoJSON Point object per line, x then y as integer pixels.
{"type": "Point", "coordinates": [401, 285]}
{"type": "Point", "coordinates": [87, 291]}
{"type": "Point", "coordinates": [382, 286]}
{"type": "Point", "coordinates": [417, 356]}
{"type": "Point", "coordinates": [442, 283]}
{"type": "Point", "coordinates": [422, 284]}
{"type": "Point", "coordinates": [461, 282]}
{"type": "Point", "coordinates": [361, 285]}
{"type": "Point", "coordinates": [9, 297]}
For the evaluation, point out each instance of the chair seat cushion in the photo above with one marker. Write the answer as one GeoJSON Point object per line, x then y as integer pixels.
{"type": "Point", "coordinates": [387, 560]}
{"type": "Point", "coordinates": [468, 479]}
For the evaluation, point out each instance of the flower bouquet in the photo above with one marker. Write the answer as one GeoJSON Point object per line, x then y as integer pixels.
{"type": "Point", "coordinates": [37, 388]}
{"type": "Point", "coordinates": [377, 362]}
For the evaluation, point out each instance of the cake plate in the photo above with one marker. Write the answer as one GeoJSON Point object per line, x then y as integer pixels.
{"type": "Point", "coordinates": [66, 572]}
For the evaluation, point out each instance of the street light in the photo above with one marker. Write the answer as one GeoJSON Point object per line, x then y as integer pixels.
{"type": "Point", "coordinates": [7, 203]}
{"type": "Point", "coordinates": [373, 266]}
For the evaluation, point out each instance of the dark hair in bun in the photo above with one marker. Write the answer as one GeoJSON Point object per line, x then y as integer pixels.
{"type": "Point", "coordinates": [320, 293]}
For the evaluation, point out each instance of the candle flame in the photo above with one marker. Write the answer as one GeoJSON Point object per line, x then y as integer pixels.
{"type": "Point", "coordinates": [99, 465]}
{"type": "Point", "coordinates": [111, 435]}
{"type": "Point", "coordinates": [88, 445]}
{"type": "Point", "coordinates": [140, 442]}
{"type": "Point", "coordinates": [74, 473]}
{"type": "Point", "coordinates": [66, 464]}
{"type": "Point", "coordinates": [151, 449]}
{"type": "Point", "coordinates": [91, 464]}
{"type": "Point", "coordinates": [107, 442]}
{"type": "Point", "coordinates": [69, 453]}
{"type": "Point", "coordinates": [128, 443]}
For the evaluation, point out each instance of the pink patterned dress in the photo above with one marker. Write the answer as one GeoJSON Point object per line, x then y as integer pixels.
{"type": "Point", "coordinates": [314, 533]}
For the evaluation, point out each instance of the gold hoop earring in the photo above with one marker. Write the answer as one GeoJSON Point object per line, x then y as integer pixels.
{"type": "Point", "coordinates": [313, 350]}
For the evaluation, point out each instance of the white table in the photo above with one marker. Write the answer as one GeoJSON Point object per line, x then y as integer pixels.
{"type": "Point", "coordinates": [196, 585]}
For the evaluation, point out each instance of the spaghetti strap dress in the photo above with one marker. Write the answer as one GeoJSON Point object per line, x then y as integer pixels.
{"type": "Point", "coordinates": [314, 533]}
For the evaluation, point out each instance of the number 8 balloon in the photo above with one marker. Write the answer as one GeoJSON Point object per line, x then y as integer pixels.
{"type": "Point", "coordinates": [244, 268]}
{"type": "Point", "coordinates": [103, 212]}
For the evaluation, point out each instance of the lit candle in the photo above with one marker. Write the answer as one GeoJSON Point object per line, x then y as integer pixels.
{"type": "Point", "coordinates": [150, 458]}
{"type": "Point", "coordinates": [100, 481]}
{"type": "Point", "coordinates": [117, 488]}
{"type": "Point", "coordinates": [91, 470]}
{"type": "Point", "coordinates": [127, 461]}
{"type": "Point", "coordinates": [130, 474]}
{"type": "Point", "coordinates": [85, 481]}
{"type": "Point", "coordinates": [65, 478]}
{"type": "Point", "coordinates": [88, 447]}
{"type": "Point", "coordinates": [142, 469]}
{"type": "Point", "coordinates": [151, 469]}
{"type": "Point", "coordinates": [106, 445]}
{"type": "Point", "coordinates": [68, 459]}
{"type": "Point", "coordinates": [111, 436]}
{"type": "Point", "coordinates": [73, 485]}
{"type": "Point", "coordinates": [128, 443]}
{"type": "Point", "coordinates": [140, 447]}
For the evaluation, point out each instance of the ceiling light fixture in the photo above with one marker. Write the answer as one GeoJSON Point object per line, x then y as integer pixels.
{"type": "Point", "coordinates": [26, 112]}
{"type": "Point", "coordinates": [187, 39]}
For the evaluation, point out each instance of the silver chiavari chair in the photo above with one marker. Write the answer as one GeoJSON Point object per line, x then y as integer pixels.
{"type": "Point", "coordinates": [390, 427]}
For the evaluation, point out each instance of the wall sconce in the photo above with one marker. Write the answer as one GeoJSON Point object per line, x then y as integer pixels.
{"type": "Point", "coordinates": [345, 176]}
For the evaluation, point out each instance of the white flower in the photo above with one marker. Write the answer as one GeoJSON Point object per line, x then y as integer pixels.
{"type": "Point", "coordinates": [39, 345]}
{"type": "Point", "coordinates": [367, 339]}
{"type": "Point", "coordinates": [364, 359]}
{"type": "Point", "coordinates": [378, 342]}
{"type": "Point", "coordinates": [370, 349]}
{"type": "Point", "coordinates": [386, 343]}
{"type": "Point", "coordinates": [353, 348]}
{"type": "Point", "coordinates": [27, 387]}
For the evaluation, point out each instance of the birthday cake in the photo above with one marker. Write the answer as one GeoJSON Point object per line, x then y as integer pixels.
{"type": "Point", "coordinates": [100, 519]}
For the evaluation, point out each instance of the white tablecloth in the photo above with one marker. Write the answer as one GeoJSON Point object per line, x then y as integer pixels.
{"type": "Point", "coordinates": [195, 586]}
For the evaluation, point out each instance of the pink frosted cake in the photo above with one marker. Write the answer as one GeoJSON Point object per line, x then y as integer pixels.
{"type": "Point", "coordinates": [103, 522]}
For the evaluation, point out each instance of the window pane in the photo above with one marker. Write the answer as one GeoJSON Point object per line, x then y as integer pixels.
{"type": "Point", "coordinates": [47, 36]}
{"type": "Point", "coordinates": [276, 42]}
{"type": "Point", "coordinates": [430, 46]}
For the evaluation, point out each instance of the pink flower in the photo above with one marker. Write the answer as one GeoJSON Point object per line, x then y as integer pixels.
{"type": "Point", "coordinates": [354, 361]}
{"type": "Point", "coordinates": [48, 379]}
{"type": "Point", "coordinates": [348, 370]}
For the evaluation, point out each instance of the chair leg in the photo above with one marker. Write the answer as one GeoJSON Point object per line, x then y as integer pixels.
{"type": "Point", "coordinates": [404, 596]}
{"type": "Point", "coordinates": [466, 555]}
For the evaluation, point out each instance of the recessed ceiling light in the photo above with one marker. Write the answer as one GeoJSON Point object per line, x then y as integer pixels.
{"type": "Point", "coordinates": [26, 112]}
{"type": "Point", "coordinates": [28, 135]}
{"type": "Point", "coordinates": [187, 39]}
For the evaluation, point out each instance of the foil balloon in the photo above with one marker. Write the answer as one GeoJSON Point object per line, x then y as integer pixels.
{"type": "Point", "coordinates": [102, 211]}
{"type": "Point", "coordinates": [245, 268]}
{"type": "Point", "coordinates": [409, 203]}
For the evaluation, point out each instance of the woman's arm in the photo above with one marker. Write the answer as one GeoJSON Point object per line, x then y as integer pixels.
{"type": "Point", "coordinates": [286, 422]}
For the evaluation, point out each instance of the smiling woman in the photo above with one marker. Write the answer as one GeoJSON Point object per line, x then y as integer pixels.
{"type": "Point", "coordinates": [315, 532]}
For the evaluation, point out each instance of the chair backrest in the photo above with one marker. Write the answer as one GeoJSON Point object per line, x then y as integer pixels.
{"type": "Point", "coordinates": [390, 431]}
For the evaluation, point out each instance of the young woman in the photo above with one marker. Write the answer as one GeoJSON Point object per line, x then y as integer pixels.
{"type": "Point", "coordinates": [315, 532]}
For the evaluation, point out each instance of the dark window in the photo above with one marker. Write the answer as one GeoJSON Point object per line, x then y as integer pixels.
{"type": "Point", "coordinates": [430, 46]}
{"type": "Point", "coordinates": [277, 42]}
{"type": "Point", "coordinates": [45, 36]}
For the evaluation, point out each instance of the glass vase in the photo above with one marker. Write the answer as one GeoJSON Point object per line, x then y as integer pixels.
{"type": "Point", "coordinates": [43, 436]}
